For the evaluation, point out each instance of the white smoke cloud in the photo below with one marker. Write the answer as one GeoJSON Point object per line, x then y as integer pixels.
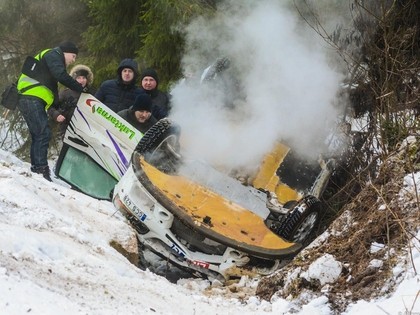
{"type": "Point", "coordinates": [289, 86]}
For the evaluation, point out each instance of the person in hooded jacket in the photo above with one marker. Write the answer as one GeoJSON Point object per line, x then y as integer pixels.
{"type": "Point", "coordinates": [68, 98]}
{"type": "Point", "coordinates": [120, 93]}
{"type": "Point", "coordinates": [139, 115]}
{"type": "Point", "coordinates": [160, 100]}
{"type": "Point", "coordinates": [38, 91]}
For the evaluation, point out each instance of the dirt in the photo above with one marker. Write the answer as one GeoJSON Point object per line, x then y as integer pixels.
{"type": "Point", "coordinates": [378, 215]}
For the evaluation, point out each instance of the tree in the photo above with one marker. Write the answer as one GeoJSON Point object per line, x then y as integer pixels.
{"type": "Point", "coordinates": [26, 28]}
{"type": "Point", "coordinates": [382, 54]}
{"type": "Point", "coordinates": [164, 39]}
{"type": "Point", "coordinates": [149, 31]}
{"type": "Point", "coordinates": [29, 26]}
{"type": "Point", "coordinates": [114, 34]}
{"type": "Point", "coordinates": [381, 50]}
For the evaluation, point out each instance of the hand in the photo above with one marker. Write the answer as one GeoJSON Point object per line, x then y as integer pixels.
{"type": "Point", "coordinates": [60, 118]}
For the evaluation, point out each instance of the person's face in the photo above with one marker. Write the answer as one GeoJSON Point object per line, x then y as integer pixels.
{"type": "Point", "coordinates": [82, 80]}
{"type": "Point", "coordinates": [69, 58]}
{"type": "Point", "coordinates": [148, 83]}
{"type": "Point", "coordinates": [127, 75]}
{"type": "Point", "coordinates": [142, 115]}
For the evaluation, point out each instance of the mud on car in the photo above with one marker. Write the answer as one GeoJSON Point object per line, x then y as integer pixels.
{"type": "Point", "coordinates": [185, 211]}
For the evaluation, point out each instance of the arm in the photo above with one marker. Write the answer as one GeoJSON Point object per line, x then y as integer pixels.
{"type": "Point", "coordinates": [53, 113]}
{"type": "Point", "coordinates": [56, 65]}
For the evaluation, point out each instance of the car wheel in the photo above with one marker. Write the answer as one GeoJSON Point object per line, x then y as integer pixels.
{"type": "Point", "coordinates": [160, 145]}
{"type": "Point", "coordinates": [300, 224]}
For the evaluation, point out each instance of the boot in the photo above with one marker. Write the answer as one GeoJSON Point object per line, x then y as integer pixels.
{"type": "Point", "coordinates": [44, 170]}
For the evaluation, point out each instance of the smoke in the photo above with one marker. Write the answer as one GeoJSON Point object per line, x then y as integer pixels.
{"type": "Point", "coordinates": [283, 87]}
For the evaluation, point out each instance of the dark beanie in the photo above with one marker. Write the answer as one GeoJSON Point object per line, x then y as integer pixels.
{"type": "Point", "coordinates": [81, 73]}
{"type": "Point", "coordinates": [143, 102]}
{"type": "Point", "coordinates": [69, 47]}
{"type": "Point", "coordinates": [149, 72]}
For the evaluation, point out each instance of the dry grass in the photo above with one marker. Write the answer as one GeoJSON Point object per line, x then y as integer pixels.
{"type": "Point", "coordinates": [377, 215]}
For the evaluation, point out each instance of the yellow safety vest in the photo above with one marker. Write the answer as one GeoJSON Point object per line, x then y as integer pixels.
{"type": "Point", "coordinates": [25, 84]}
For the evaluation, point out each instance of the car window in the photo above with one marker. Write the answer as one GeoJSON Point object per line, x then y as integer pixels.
{"type": "Point", "coordinates": [297, 172]}
{"type": "Point", "coordinates": [78, 169]}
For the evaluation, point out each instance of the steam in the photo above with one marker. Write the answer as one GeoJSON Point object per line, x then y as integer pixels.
{"type": "Point", "coordinates": [289, 87]}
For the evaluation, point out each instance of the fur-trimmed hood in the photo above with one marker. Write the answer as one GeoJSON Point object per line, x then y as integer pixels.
{"type": "Point", "coordinates": [77, 68]}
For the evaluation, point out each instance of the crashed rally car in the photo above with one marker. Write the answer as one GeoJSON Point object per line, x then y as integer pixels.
{"type": "Point", "coordinates": [186, 211]}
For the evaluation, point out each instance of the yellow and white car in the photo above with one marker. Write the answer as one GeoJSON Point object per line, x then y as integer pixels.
{"type": "Point", "coordinates": [186, 211]}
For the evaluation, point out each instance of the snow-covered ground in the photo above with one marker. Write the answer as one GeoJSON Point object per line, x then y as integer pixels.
{"type": "Point", "coordinates": [55, 258]}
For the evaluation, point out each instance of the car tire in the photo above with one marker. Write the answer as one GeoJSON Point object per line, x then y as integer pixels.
{"type": "Point", "coordinates": [160, 145]}
{"type": "Point", "coordinates": [300, 224]}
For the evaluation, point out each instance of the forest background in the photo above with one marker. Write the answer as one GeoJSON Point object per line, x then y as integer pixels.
{"type": "Point", "coordinates": [375, 44]}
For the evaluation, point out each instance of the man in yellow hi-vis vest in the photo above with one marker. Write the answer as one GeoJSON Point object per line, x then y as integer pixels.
{"type": "Point", "coordinates": [38, 90]}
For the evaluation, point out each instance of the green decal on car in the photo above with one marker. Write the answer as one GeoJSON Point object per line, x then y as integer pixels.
{"type": "Point", "coordinates": [116, 122]}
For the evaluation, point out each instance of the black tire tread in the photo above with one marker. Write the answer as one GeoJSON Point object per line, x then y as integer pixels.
{"type": "Point", "coordinates": [154, 136]}
{"type": "Point", "coordinates": [288, 227]}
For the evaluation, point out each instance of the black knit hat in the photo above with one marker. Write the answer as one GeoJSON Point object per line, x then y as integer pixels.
{"type": "Point", "coordinates": [69, 47]}
{"type": "Point", "coordinates": [81, 73]}
{"type": "Point", "coordinates": [143, 102]}
{"type": "Point", "coordinates": [149, 72]}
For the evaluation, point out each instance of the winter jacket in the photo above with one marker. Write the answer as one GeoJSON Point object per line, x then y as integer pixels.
{"type": "Point", "coordinates": [68, 100]}
{"type": "Point", "coordinates": [117, 95]}
{"type": "Point", "coordinates": [128, 115]}
{"type": "Point", "coordinates": [43, 83]}
{"type": "Point", "coordinates": [160, 101]}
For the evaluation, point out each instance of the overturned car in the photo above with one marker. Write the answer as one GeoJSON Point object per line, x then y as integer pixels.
{"type": "Point", "coordinates": [188, 212]}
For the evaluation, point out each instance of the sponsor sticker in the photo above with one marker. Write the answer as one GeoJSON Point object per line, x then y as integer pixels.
{"type": "Point", "coordinates": [177, 250]}
{"type": "Point", "coordinates": [114, 120]}
{"type": "Point", "coordinates": [201, 264]}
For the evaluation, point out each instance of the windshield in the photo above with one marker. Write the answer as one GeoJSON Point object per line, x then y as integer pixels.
{"type": "Point", "coordinates": [78, 169]}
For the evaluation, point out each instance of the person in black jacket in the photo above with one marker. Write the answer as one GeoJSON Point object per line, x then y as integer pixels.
{"type": "Point", "coordinates": [38, 91]}
{"type": "Point", "coordinates": [120, 93]}
{"type": "Point", "coordinates": [139, 115]}
{"type": "Point", "coordinates": [160, 100]}
{"type": "Point", "coordinates": [68, 98]}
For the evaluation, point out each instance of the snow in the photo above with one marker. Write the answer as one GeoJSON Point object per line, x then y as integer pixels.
{"type": "Point", "coordinates": [325, 269]}
{"type": "Point", "coordinates": [403, 301]}
{"type": "Point", "coordinates": [412, 181]}
{"type": "Point", "coordinates": [56, 258]}
{"type": "Point", "coordinates": [376, 247]}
